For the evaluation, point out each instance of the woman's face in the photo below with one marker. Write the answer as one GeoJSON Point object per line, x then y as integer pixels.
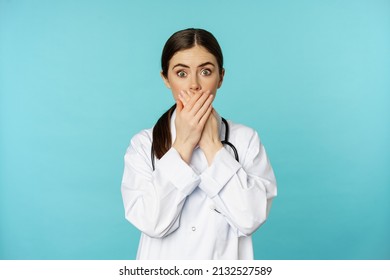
{"type": "Point", "coordinates": [194, 70]}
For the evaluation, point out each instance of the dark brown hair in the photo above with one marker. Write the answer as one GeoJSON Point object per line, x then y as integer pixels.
{"type": "Point", "coordinates": [181, 40]}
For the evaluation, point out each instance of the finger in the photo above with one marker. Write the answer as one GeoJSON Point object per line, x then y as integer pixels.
{"type": "Point", "coordinates": [181, 98]}
{"type": "Point", "coordinates": [205, 116]}
{"type": "Point", "coordinates": [193, 97]}
{"type": "Point", "coordinates": [199, 107]}
{"type": "Point", "coordinates": [179, 105]}
{"type": "Point", "coordinates": [191, 101]}
{"type": "Point", "coordinates": [191, 93]}
{"type": "Point", "coordinates": [205, 106]}
{"type": "Point", "coordinates": [184, 97]}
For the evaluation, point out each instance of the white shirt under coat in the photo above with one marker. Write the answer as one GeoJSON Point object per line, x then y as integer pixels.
{"type": "Point", "coordinates": [198, 211]}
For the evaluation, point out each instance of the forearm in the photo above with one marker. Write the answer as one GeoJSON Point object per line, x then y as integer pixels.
{"type": "Point", "coordinates": [185, 150]}
{"type": "Point", "coordinates": [153, 200]}
{"type": "Point", "coordinates": [242, 198]}
{"type": "Point", "coordinates": [211, 149]}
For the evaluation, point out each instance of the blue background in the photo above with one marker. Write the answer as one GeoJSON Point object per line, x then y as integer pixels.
{"type": "Point", "coordinates": [79, 78]}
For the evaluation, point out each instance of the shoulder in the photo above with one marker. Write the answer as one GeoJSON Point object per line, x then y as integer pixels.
{"type": "Point", "coordinates": [240, 133]}
{"type": "Point", "coordinates": [142, 140]}
{"type": "Point", "coordinates": [247, 142]}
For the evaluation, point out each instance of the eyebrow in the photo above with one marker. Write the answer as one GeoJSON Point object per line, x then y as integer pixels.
{"type": "Point", "coordinates": [186, 66]}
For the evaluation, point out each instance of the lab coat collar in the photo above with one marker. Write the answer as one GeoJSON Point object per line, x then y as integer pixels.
{"type": "Point", "coordinates": [173, 127]}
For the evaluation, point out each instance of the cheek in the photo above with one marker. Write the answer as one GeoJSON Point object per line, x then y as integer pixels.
{"type": "Point", "coordinates": [211, 85]}
{"type": "Point", "coordinates": [175, 85]}
{"type": "Point", "coordinates": [175, 89]}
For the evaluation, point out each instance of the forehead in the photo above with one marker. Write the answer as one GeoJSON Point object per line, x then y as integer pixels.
{"type": "Point", "coordinates": [193, 56]}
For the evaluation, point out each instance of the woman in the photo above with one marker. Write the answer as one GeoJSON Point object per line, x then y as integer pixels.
{"type": "Point", "coordinates": [190, 195]}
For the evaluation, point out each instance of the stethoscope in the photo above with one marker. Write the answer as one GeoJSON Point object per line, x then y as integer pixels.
{"type": "Point", "coordinates": [224, 142]}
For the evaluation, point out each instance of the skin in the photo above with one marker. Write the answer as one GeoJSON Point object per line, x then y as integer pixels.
{"type": "Point", "coordinates": [194, 77]}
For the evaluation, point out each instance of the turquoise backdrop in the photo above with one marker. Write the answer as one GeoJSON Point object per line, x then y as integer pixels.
{"type": "Point", "coordinates": [79, 78]}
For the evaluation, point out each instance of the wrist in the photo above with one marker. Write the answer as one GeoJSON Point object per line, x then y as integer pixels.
{"type": "Point", "coordinates": [185, 151]}
{"type": "Point", "coordinates": [211, 150]}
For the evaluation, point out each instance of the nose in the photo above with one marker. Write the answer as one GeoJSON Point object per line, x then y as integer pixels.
{"type": "Point", "coordinates": [194, 83]}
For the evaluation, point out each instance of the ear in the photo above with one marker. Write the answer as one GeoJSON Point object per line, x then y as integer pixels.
{"type": "Point", "coordinates": [221, 77]}
{"type": "Point", "coordinates": [165, 79]}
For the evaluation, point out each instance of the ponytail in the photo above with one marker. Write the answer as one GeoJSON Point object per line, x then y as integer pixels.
{"type": "Point", "coordinates": [162, 139]}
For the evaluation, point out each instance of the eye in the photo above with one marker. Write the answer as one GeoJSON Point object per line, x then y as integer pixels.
{"type": "Point", "coordinates": [181, 74]}
{"type": "Point", "coordinates": [205, 72]}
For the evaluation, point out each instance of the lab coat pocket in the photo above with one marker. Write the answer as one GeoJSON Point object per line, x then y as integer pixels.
{"type": "Point", "coordinates": [221, 225]}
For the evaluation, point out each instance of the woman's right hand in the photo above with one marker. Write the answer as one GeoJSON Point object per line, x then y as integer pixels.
{"type": "Point", "coordinates": [190, 121]}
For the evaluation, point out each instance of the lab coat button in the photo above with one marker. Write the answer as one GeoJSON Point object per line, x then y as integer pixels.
{"type": "Point", "coordinates": [193, 228]}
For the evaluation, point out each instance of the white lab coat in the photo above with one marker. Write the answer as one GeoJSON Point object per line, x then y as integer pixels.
{"type": "Point", "coordinates": [198, 211]}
